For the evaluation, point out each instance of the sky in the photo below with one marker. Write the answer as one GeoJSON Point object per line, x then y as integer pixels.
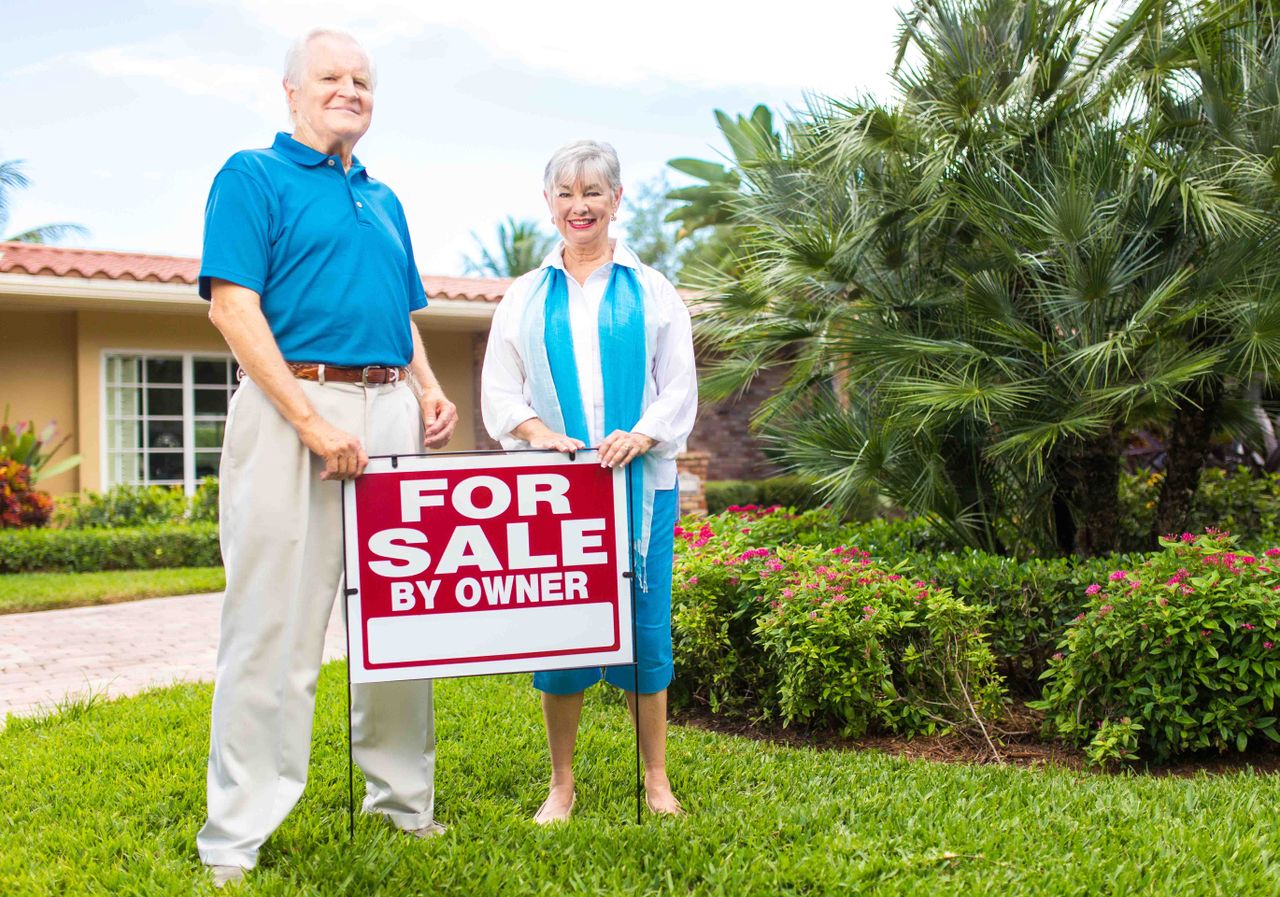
{"type": "Point", "coordinates": [124, 111]}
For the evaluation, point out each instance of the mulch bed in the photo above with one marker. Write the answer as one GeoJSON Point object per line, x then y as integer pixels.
{"type": "Point", "coordinates": [1017, 743]}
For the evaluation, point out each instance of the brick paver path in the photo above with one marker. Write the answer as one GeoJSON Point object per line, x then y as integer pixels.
{"type": "Point", "coordinates": [114, 649]}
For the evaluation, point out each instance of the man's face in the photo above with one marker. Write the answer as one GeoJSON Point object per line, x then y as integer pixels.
{"type": "Point", "coordinates": [334, 102]}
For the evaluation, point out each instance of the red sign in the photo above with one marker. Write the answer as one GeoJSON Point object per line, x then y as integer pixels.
{"type": "Point", "coordinates": [462, 565]}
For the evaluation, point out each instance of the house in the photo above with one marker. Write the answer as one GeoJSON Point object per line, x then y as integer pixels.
{"type": "Point", "coordinates": [117, 348]}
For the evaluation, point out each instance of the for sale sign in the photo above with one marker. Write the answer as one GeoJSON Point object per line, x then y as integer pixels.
{"type": "Point", "coordinates": [462, 565]}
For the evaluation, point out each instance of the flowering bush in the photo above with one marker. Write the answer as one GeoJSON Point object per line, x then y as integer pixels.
{"type": "Point", "coordinates": [1030, 601]}
{"type": "Point", "coordinates": [1176, 654]}
{"type": "Point", "coordinates": [862, 646]}
{"type": "Point", "coordinates": [823, 636]}
{"type": "Point", "coordinates": [20, 504]}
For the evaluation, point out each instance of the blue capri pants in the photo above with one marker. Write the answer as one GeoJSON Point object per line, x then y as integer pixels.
{"type": "Point", "coordinates": [653, 620]}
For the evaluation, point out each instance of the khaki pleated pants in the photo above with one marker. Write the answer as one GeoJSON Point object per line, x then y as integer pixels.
{"type": "Point", "coordinates": [281, 533]}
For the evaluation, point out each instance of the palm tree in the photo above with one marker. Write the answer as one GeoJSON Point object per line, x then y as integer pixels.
{"type": "Point", "coordinates": [522, 245]}
{"type": "Point", "coordinates": [977, 290]}
{"type": "Point", "coordinates": [12, 178]}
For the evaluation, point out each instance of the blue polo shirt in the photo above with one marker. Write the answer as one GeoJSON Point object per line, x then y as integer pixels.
{"type": "Point", "coordinates": [327, 250]}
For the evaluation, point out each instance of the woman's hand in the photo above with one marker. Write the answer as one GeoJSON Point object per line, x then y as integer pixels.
{"type": "Point", "coordinates": [620, 448]}
{"type": "Point", "coordinates": [540, 436]}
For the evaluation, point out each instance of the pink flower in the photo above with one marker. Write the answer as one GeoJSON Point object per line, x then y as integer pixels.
{"type": "Point", "coordinates": [813, 615]}
{"type": "Point", "coordinates": [1079, 617]}
{"type": "Point", "coordinates": [1248, 626]}
{"type": "Point", "coordinates": [1104, 610]}
{"type": "Point", "coordinates": [1058, 655]}
{"type": "Point", "coordinates": [1118, 575]}
{"type": "Point", "coordinates": [787, 593]}
{"type": "Point", "coordinates": [893, 577]}
{"type": "Point", "coordinates": [1272, 552]}
{"type": "Point", "coordinates": [1268, 645]}
{"type": "Point", "coordinates": [693, 580]}
{"type": "Point", "coordinates": [1188, 537]}
{"type": "Point", "coordinates": [1093, 589]}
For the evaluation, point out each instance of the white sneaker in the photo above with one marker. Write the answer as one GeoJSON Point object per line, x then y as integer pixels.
{"type": "Point", "coordinates": [226, 875]}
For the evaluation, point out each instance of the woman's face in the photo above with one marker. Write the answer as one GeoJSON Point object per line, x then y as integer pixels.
{"type": "Point", "coordinates": [581, 212]}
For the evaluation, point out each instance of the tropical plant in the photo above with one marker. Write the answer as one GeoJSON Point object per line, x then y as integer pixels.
{"type": "Point", "coordinates": [11, 179]}
{"type": "Point", "coordinates": [28, 448]}
{"type": "Point", "coordinates": [521, 246]}
{"type": "Point", "coordinates": [978, 288]}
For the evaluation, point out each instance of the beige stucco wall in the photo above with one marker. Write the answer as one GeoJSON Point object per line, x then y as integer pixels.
{"type": "Point", "coordinates": [38, 379]}
{"type": "Point", "coordinates": [450, 357]}
{"type": "Point", "coordinates": [52, 370]}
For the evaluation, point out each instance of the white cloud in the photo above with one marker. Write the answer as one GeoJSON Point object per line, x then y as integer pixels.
{"type": "Point", "coordinates": [807, 44]}
{"type": "Point", "coordinates": [194, 75]}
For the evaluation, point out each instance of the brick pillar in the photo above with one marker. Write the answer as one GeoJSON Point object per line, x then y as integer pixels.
{"type": "Point", "coordinates": [692, 481]}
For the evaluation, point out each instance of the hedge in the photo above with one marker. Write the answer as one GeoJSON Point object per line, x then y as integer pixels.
{"type": "Point", "coordinates": [80, 550]}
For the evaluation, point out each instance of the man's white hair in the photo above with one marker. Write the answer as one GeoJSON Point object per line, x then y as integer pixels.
{"type": "Point", "coordinates": [580, 160]}
{"type": "Point", "coordinates": [295, 61]}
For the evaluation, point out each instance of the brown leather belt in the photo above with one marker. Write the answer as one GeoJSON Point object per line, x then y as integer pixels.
{"type": "Point", "coordinates": [372, 375]}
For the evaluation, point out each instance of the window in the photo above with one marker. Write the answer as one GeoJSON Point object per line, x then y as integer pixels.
{"type": "Point", "coordinates": [165, 415]}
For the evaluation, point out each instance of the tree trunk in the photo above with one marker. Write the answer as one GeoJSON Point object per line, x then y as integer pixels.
{"type": "Point", "coordinates": [1086, 515]}
{"type": "Point", "coordinates": [1189, 436]}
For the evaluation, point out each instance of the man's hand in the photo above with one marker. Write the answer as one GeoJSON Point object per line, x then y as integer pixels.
{"type": "Point", "coordinates": [439, 417]}
{"type": "Point", "coordinates": [344, 456]}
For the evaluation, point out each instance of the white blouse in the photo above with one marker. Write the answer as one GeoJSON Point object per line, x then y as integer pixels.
{"type": "Point", "coordinates": [506, 401]}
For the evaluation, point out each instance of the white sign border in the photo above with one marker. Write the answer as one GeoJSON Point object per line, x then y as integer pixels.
{"type": "Point", "coordinates": [624, 655]}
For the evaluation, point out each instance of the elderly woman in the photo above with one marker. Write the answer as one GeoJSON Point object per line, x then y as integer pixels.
{"type": "Point", "coordinates": [595, 348]}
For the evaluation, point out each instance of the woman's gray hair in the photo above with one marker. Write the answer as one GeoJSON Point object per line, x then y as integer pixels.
{"type": "Point", "coordinates": [295, 61]}
{"type": "Point", "coordinates": [578, 161]}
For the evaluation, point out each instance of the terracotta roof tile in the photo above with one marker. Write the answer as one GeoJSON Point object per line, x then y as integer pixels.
{"type": "Point", "coordinates": [60, 261]}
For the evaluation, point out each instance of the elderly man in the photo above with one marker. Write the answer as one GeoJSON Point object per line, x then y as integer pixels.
{"type": "Point", "coordinates": [311, 276]}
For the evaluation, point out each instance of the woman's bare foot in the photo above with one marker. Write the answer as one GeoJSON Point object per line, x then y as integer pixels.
{"type": "Point", "coordinates": [659, 798]}
{"type": "Point", "coordinates": [558, 806]}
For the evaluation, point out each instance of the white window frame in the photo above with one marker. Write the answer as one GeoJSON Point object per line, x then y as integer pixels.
{"type": "Point", "coordinates": [189, 482]}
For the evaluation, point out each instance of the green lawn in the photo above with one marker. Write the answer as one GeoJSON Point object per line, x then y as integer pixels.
{"type": "Point", "coordinates": [21, 592]}
{"type": "Point", "coordinates": [106, 799]}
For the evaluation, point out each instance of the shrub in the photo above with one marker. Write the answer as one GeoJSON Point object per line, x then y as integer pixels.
{"type": "Point", "coordinates": [1177, 654]}
{"type": "Point", "coordinates": [1240, 501]}
{"type": "Point", "coordinates": [789, 492]}
{"type": "Point", "coordinates": [714, 612]}
{"type": "Point", "coordinates": [857, 645]}
{"type": "Point", "coordinates": [745, 641]}
{"type": "Point", "coordinates": [20, 504]}
{"type": "Point", "coordinates": [1029, 602]}
{"type": "Point", "coordinates": [77, 550]}
{"type": "Point", "coordinates": [124, 506]}
{"type": "Point", "coordinates": [204, 504]}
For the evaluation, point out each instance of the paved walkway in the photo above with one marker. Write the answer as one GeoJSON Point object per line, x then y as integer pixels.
{"type": "Point", "coordinates": [113, 650]}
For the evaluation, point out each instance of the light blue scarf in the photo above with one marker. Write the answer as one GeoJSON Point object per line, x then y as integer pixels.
{"type": "Point", "coordinates": [626, 357]}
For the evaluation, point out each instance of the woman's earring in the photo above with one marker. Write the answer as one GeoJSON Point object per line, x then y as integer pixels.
{"type": "Point", "coordinates": [613, 217]}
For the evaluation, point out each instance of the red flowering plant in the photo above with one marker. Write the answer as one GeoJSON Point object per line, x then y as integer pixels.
{"type": "Point", "coordinates": [864, 646]}
{"type": "Point", "coordinates": [784, 627]}
{"type": "Point", "coordinates": [20, 504]}
{"type": "Point", "coordinates": [713, 608]}
{"type": "Point", "coordinates": [1175, 655]}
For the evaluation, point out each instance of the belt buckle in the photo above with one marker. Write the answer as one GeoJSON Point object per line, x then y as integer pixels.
{"type": "Point", "coordinates": [364, 375]}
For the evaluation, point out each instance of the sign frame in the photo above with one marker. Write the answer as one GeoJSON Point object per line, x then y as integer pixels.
{"type": "Point", "coordinates": [456, 628]}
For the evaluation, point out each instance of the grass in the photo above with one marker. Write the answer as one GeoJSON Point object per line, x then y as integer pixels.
{"type": "Point", "coordinates": [22, 592]}
{"type": "Point", "coordinates": [107, 800]}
